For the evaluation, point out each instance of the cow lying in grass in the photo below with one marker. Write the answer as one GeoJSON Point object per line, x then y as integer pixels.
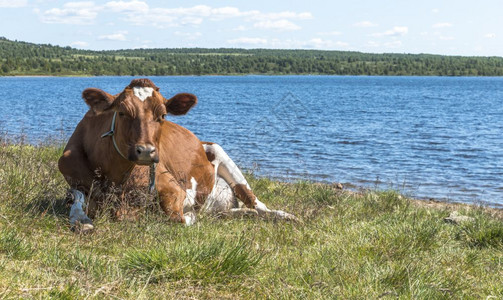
{"type": "Point", "coordinates": [121, 137]}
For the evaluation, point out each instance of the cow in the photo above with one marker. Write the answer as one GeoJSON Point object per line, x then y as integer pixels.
{"type": "Point", "coordinates": [125, 141]}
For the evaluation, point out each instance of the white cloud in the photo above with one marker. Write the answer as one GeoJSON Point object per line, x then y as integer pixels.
{"type": "Point", "coordinates": [139, 13]}
{"type": "Point", "coordinates": [225, 12]}
{"type": "Point", "coordinates": [442, 37]}
{"type": "Point", "coordinates": [79, 44]}
{"type": "Point", "coordinates": [281, 25]}
{"type": "Point", "coordinates": [478, 48]}
{"type": "Point", "coordinates": [442, 25]}
{"type": "Point", "coordinates": [342, 44]}
{"type": "Point", "coordinates": [256, 15]}
{"type": "Point", "coordinates": [490, 35]}
{"type": "Point", "coordinates": [446, 38]}
{"type": "Point", "coordinates": [13, 3]}
{"type": "Point", "coordinates": [191, 21]}
{"type": "Point", "coordinates": [373, 44]}
{"type": "Point", "coordinates": [248, 40]}
{"type": "Point", "coordinates": [365, 24]}
{"type": "Point", "coordinates": [72, 13]}
{"type": "Point", "coordinates": [314, 43]}
{"type": "Point", "coordinates": [393, 44]}
{"type": "Point", "coordinates": [329, 33]}
{"type": "Point", "coordinates": [131, 6]}
{"type": "Point", "coordinates": [318, 43]}
{"type": "Point", "coordinates": [188, 35]}
{"type": "Point", "coordinates": [197, 12]}
{"type": "Point", "coordinates": [144, 46]}
{"type": "Point", "coordinates": [435, 10]}
{"type": "Point", "coordinates": [387, 45]}
{"type": "Point", "coordinates": [239, 28]}
{"type": "Point", "coordinates": [119, 36]}
{"type": "Point", "coordinates": [396, 31]}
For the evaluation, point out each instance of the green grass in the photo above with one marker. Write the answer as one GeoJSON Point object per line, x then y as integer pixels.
{"type": "Point", "coordinates": [351, 245]}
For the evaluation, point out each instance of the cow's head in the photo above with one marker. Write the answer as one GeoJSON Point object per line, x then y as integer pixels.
{"type": "Point", "coordinates": [140, 111]}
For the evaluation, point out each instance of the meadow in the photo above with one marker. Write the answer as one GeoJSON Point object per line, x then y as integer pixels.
{"type": "Point", "coordinates": [363, 244]}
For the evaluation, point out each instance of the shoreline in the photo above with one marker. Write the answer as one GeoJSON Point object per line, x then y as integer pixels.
{"type": "Point", "coordinates": [241, 74]}
{"type": "Point", "coordinates": [349, 188]}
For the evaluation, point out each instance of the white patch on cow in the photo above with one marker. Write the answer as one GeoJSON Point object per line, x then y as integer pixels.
{"type": "Point", "coordinates": [142, 92]}
{"type": "Point", "coordinates": [189, 202]}
{"type": "Point", "coordinates": [77, 214]}
{"type": "Point", "coordinates": [190, 196]}
{"type": "Point", "coordinates": [220, 199]}
{"type": "Point", "coordinates": [225, 166]}
{"type": "Point", "coordinates": [227, 175]}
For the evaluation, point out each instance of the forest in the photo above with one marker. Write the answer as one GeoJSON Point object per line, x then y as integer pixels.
{"type": "Point", "coordinates": [22, 58]}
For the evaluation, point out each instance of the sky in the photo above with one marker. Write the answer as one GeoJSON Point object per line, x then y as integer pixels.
{"type": "Point", "coordinates": [470, 28]}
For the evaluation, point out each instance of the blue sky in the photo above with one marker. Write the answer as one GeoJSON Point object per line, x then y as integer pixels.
{"type": "Point", "coordinates": [439, 27]}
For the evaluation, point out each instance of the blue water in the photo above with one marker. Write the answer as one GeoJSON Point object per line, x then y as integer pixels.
{"type": "Point", "coordinates": [429, 137]}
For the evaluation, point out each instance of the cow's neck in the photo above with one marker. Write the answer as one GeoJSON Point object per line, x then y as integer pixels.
{"type": "Point", "coordinates": [119, 169]}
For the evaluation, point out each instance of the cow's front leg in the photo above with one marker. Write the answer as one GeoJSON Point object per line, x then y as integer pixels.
{"type": "Point", "coordinates": [78, 218]}
{"type": "Point", "coordinates": [74, 167]}
{"type": "Point", "coordinates": [172, 197]}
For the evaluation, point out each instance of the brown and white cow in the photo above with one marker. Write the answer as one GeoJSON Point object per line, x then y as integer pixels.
{"type": "Point", "coordinates": [122, 135]}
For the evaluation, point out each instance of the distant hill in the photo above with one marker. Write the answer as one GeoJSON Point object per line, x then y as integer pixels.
{"type": "Point", "coordinates": [22, 58]}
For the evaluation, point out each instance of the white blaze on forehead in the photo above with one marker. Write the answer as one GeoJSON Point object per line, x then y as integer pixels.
{"type": "Point", "coordinates": [143, 92]}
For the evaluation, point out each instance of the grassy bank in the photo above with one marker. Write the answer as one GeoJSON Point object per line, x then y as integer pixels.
{"type": "Point", "coordinates": [351, 245]}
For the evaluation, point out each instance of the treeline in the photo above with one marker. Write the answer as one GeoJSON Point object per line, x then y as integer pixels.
{"type": "Point", "coordinates": [21, 58]}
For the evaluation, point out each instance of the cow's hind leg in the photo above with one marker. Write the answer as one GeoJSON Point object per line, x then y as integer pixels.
{"type": "Point", "coordinates": [228, 170]}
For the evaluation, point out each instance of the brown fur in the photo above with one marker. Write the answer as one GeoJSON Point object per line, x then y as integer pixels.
{"type": "Point", "coordinates": [89, 160]}
{"type": "Point", "coordinates": [143, 82]}
{"type": "Point", "coordinates": [245, 195]}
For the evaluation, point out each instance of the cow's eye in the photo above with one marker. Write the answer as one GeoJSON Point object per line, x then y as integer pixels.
{"type": "Point", "coordinates": [161, 118]}
{"type": "Point", "coordinates": [121, 114]}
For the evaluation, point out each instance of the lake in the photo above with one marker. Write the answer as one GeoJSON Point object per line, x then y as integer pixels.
{"type": "Point", "coordinates": [429, 137]}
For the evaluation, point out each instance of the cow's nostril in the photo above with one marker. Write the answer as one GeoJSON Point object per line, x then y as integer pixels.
{"type": "Point", "coordinates": [140, 150]}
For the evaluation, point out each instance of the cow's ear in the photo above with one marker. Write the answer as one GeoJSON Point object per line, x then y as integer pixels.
{"type": "Point", "coordinates": [98, 100]}
{"type": "Point", "coordinates": [180, 104]}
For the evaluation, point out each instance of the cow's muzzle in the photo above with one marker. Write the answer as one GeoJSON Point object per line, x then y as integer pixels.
{"type": "Point", "coordinates": [145, 154]}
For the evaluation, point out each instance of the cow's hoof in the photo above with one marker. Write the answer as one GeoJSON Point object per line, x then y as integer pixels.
{"type": "Point", "coordinates": [281, 215]}
{"type": "Point", "coordinates": [84, 227]}
{"type": "Point", "coordinates": [190, 218]}
{"type": "Point", "coordinates": [292, 218]}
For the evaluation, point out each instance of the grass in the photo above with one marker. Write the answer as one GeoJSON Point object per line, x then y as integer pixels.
{"type": "Point", "coordinates": [351, 245]}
